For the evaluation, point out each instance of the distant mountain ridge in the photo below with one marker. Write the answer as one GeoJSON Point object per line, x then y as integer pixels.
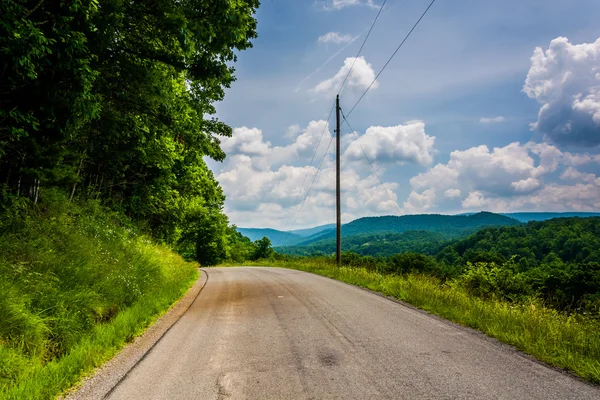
{"type": "Point", "coordinates": [419, 222]}
{"type": "Point", "coordinates": [544, 216]}
{"type": "Point", "coordinates": [451, 226]}
{"type": "Point", "coordinates": [279, 238]}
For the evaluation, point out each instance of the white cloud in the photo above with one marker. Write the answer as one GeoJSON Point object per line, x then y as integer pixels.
{"type": "Point", "coordinates": [491, 120]}
{"type": "Point", "coordinates": [526, 185]}
{"type": "Point", "coordinates": [489, 178]}
{"type": "Point", "coordinates": [334, 37]}
{"type": "Point", "coordinates": [576, 159]}
{"type": "Point", "coordinates": [571, 174]}
{"type": "Point", "coordinates": [262, 185]}
{"type": "Point", "coordinates": [245, 141]}
{"type": "Point", "coordinates": [565, 80]}
{"type": "Point", "coordinates": [339, 4]}
{"type": "Point", "coordinates": [509, 178]}
{"type": "Point", "coordinates": [360, 78]}
{"type": "Point", "coordinates": [394, 144]}
{"type": "Point", "coordinates": [474, 200]}
{"type": "Point", "coordinates": [452, 193]}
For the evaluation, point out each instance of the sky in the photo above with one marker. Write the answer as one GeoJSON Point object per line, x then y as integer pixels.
{"type": "Point", "coordinates": [489, 105]}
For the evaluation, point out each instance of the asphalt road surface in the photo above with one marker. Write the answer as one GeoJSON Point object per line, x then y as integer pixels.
{"type": "Point", "coordinates": [266, 333]}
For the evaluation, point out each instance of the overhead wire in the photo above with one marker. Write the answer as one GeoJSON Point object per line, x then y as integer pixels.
{"type": "Point", "coordinates": [315, 152]}
{"type": "Point", "coordinates": [347, 122]}
{"type": "Point", "coordinates": [392, 56]}
{"type": "Point", "coordinates": [308, 191]}
{"type": "Point", "coordinates": [307, 171]}
{"type": "Point", "coordinates": [371, 164]}
{"type": "Point", "coordinates": [361, 47]}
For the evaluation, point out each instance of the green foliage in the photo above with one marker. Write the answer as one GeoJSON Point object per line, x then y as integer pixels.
{"type": "Point", "coordinates": [240, 248]}
{"type": "Point", "coordinates": [557, 260]}
{"type": "Point", "coordinates": [379, 245]}
{"type": "Point", "coordinates": [566, 341]}
{"type": "Point", "coordinates": [67, 268]}
{"type": "Point", "coordinates": [263, 248]}
{"type": "Point", "coordinates": [107, 99]}
{"type": "Point", "coordinates": [448, 225]}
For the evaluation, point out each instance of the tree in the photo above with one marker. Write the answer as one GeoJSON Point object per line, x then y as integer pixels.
{"type": "Point", "coordinates": [263, 248]}
{"type": "Point", "coordinates": [108, 99]}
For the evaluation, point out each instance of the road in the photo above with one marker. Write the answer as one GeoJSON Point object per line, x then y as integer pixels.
{"type": "Point", "coordinates": [266, 333]}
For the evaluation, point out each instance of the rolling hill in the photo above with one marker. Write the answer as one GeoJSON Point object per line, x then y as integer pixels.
{"type": "Point", "coordinates": [448, 224]}
{"type": "Point", "coordinates": [277, 238]}
{"type": "Point", "coordinates": [544, 216]}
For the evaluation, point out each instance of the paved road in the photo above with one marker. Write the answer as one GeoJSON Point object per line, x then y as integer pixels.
{"type": "Point", "coordinates": [262, 333]}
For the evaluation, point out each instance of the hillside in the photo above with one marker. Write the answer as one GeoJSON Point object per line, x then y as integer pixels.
{"type": "Point", "coordinates": [454, 225]}
{"type": "Point", "coordinates": [544, 216]}
{"type": "Point", "coordinates": [553, 242]}
{"type": "Point", "coordinates": [377, 245]}
{"type": "Point", "coordinates": [314, 231]}
{"type": "Point", "coordinates": [276, 237]}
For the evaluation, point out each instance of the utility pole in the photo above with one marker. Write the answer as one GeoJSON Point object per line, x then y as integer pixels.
{"type": "Point", "coordinates": [338, 235]}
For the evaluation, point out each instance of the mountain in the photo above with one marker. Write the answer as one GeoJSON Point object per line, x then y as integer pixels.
{"type": "Point", "coordinates": [448, 224]}
{"type": "Point", "coordinates": [551, 242]}
{"type": "Point", "coordinates": [383, 245]}
{"type": "Point", "coordinates": [276, 237]}
{"type": "Point", "coordinates": [313, 231]}
{"type": "Point", "coordinates": [543, 216]}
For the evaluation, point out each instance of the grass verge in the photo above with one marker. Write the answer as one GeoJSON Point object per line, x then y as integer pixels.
{"type": "Point", "coordinates": [571, 342]}
{"type": "Point", "coordinates": [77, 283]}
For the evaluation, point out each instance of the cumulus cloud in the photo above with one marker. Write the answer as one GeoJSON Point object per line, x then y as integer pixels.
{"type": "Point", "coordinates": [360, 78]}
{"type": "Point", "coordinates": [526, 185]}
{"type": "Point", "coordinates": [339, 4]}
{"type": "Point", "coordinates": [491, 120]}
{"type": "Point", "coordinates": [576, 159]}
{"type": "Point", "coordinates": [565, 80]}
{"type": "Point", "coordinates": [479, 177]}
{"type": "Point", "coordinates": [452, 193]}
{"type": "Point", "coordinates": [334, 37]}
{"type": "Point", "coordinates": [571, 174]}
{"type": "Point", "coordinates": [262, 184]}
{"type": "Point", "coordinates": [516, 177]}
{"type": "Point", "coordinates": [394, 144]}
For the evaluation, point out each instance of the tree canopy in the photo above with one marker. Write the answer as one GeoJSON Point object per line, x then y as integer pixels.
{"type": "Point", "coordinates": [111, 99]}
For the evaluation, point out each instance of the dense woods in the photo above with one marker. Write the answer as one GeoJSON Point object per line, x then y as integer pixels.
{"type": "Point", "coordinates": [107, 99]}
{"type": "Point", "coordinates": [557, 261]}
{"type": "Point", "coordinates": [105, 125]}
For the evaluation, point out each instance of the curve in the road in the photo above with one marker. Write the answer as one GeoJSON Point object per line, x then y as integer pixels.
{"type": "Point", "coordinates": [266, 333]}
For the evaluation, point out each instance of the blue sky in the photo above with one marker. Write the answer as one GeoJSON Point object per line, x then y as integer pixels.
{"type": "Point", "coordinates": [448, 124]}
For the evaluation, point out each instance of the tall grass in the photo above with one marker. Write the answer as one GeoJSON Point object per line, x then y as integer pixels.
{"type": "Point", "coordinates": [566, 341]}
{"type": "Point", "coordinates": [76, 282]}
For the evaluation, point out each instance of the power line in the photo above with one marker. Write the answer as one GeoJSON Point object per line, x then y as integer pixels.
{"type": "Point", "coordinates": [392, 56]}
{"type": "Point", "coordinates": [314, 153]}
{"type": "Point", "coordinates": [371, 164]}
{"type": "Point", "coordinates": [311, 162]}
{"type": "Point", "coordinates": [361, 46]}
{"type": "Point", "coordinates": [308, 191]}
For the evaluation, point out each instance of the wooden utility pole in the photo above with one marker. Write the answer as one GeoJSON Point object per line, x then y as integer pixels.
{"type": "Point", "coordinates": [338, 235]}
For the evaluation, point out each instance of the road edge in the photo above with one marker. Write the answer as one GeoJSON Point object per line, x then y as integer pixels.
{"type": "Point", "coordinates": [100, 383]}
{"type": "Point", "coordinates": [472, 331]}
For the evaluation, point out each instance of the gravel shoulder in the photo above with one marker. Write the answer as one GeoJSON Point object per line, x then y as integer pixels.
{"type": "Point", "coordinates": [105, 378]}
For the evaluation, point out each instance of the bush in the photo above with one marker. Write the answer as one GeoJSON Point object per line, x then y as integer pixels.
{"type": "Point", "coordinates": [66, 268]}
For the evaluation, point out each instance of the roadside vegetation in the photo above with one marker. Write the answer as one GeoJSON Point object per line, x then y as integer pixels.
{"type": "Point", "coordinates": [78, 281]}
{"type": "Point", "coordinates": [570, 341]}
{"type": "Point", "coordinates": [105, 124]}
{"type": "Point", "coordinates": [535, 286]}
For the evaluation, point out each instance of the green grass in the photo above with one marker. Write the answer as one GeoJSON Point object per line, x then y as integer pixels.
{"type": "Point", "coordinates": [77, 282]}
{"type": "Point", "coordinates": [566, 341]}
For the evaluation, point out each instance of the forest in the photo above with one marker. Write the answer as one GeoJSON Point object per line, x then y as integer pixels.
{"type": "Point", "coordinates": [108, 100]}
{"type": "Point", "coordinates": [105, 124]}
{"type": "Point", "coordinates": [557, 261]}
